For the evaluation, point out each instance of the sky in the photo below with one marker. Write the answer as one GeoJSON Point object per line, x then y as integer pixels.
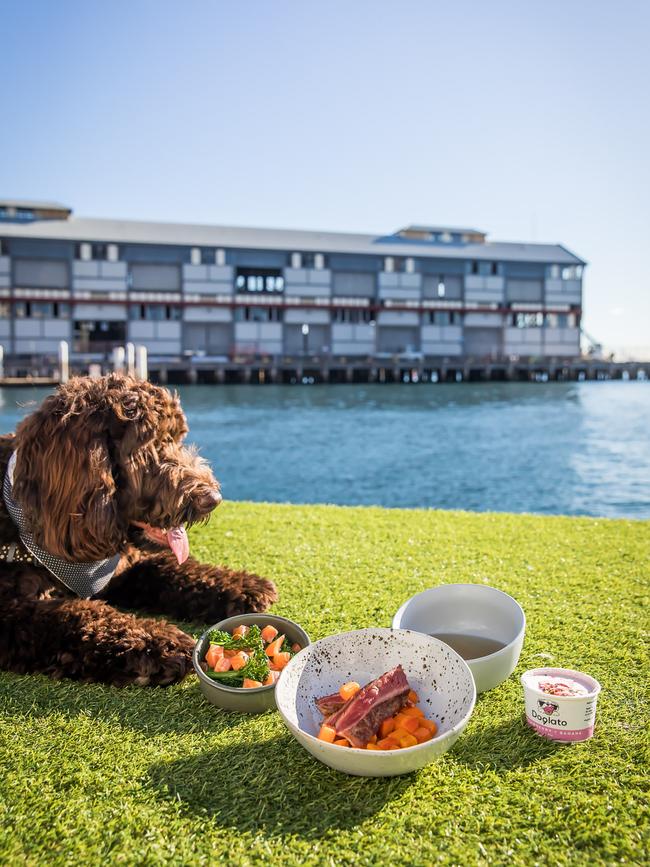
{"type": "Point", "coordinates": [529, 121]}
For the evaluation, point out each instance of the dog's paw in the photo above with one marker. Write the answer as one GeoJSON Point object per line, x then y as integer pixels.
{"type": "Point", "coordinates": [165, 658]}
{"type": "Point", "coordinates": [246, 593]}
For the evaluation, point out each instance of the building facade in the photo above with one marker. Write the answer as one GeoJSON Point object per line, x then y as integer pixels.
{"type": "Point", "coordinates": [221, 292]}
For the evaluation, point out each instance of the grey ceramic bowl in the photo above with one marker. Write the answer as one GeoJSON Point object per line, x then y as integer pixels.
{"type": "Point", "coordinates": [238, 699]}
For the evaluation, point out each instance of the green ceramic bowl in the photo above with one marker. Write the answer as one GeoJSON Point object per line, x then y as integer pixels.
{"type": "Point", "coordinates": [238, 699]}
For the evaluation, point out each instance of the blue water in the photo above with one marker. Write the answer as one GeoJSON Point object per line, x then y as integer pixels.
{"type": "Point", "coordinates": [559, 448]}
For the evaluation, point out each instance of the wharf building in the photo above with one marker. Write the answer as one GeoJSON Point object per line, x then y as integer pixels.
{"type": "Point", "coordinates": [216, 294]}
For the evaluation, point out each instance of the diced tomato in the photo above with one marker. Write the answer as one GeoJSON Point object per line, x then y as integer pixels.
{"type": "Point", "coordinates": [223, 664]}
{"type": "Point", "coordinates": [239, 661]}
{"type": "Point", "coordinates": [281, 659]}
{"type": "Point", "coordinates": [240, 631]}
{"type": "Point", "coordinates": [251, 684]}
{"type": "Point", "coordinates": [272, 678]}
{"type": "Point", "coordinates": [230, 653]}
{"type": "Point", "coordinates": [327, 733]}
{"type": "Point", "coordinates": [275, 646]}
{"type": "Point", "coordinates": [296, 648]}
{"type": "Point", "coordinates": [348, 690]}
{"type": "Point", "coordinates": [268, 634]}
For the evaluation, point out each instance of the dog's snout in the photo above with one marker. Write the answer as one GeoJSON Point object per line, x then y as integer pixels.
{"type": "Point", "coordinates": [210, 500]}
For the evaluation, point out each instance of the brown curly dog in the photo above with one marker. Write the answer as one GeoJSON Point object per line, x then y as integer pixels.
{"type": "Point", "coordinates": [97, 489]}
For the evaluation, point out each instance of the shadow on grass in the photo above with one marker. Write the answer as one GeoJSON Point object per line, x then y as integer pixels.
{"type": "Point", "coordinates": [149, 710]}
{"type": "Point", "coordinates": [504, 746]}
{"type": "Point", "coordinates": [273, 786]}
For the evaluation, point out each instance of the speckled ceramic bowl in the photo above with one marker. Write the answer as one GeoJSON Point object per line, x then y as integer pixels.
{"type": "Point", "coordinates": [439, 675]}
{"type": "Point", "coordinates": [237, 699]}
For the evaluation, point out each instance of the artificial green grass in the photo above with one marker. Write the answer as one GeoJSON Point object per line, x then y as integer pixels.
{"type": "Point", "coordinates": [95, 775]}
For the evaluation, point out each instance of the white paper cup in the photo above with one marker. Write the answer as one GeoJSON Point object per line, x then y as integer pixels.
{"type": "Point", "coordinates": [563, 718]}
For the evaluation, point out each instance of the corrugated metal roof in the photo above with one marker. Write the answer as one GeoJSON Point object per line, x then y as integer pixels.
{"type": "Point", "coordinates": [185, 234]}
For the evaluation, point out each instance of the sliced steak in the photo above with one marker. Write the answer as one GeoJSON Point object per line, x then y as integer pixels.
{"type": "Point", "coordinates": [361, 716]}
{"type": "Point", "coordinates": [329, 704]}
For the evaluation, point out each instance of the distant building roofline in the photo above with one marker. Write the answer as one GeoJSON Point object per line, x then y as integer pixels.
{"type": "Point", "coordinates": [78, 229]}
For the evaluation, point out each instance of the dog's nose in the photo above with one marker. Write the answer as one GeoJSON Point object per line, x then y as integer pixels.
{"type": "Point", "coordinates": [211, 500]}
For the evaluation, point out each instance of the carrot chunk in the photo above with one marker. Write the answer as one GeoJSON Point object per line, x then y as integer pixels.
{"type": "Point", "coordinates": [386, 727]}
{"type": "Point", "coordinates": [413, 697]}
{"type": "Point", "coordinates": [412, 711]}
{"type": "Point", "coordinates": [422, 735]}
{"type": "Point", "coordinates": [327, 733]}
{"type": "Point", "coordinates": [429, 724]}
{"type": "Point", "coordinates": [373, 739]}
{"type": "Point", "coordinates": [275, 646]}
{"type": "Point", "coordinates": [281, 659]}
{"type": "Point", "coordinates": [373, 747]}
{"type": "Point", "coordinates": [410, 724]}
{"type": "Point", "coordinates": [388, 744]}
{"type": "Point", "coordinates": [399, 719]}
{"type": "Point", "coordinates": [239, 661]}
{"type": "Point", "coordinates": [398, 734]}
{"type": "Point", "coordinates": [348, 690]}
{"type": "Point", "coordinates": [251, 684]}
{"type": "Point", "coordinates": [223, 664]}
{"type": "Point", "coordinates": [240, 631]}
{"type": "Point", "coordinates": [408, 740]}
{"type": "Point", "coordinates": [268, 634]}
{"type": "Point", "coordinates": [341, 742]}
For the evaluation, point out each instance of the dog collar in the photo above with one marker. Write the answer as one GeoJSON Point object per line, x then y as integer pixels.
{"type": "Point", "coordinates": [84, 579]}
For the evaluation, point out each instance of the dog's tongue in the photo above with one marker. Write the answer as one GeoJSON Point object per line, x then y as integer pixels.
{"type": "Point", "coordinates": [179, 543]}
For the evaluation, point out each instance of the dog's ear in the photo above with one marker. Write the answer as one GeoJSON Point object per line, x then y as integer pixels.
{"type": "Point", "coordinates": [64, 481]}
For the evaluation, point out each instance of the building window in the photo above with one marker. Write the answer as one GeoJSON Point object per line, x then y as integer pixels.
{"type": "Point", "coordinates": [352, 314]}
{"type": "Point", "coordinates": [494, 269]}
{"type": "Point", "coordinates": [442, 317]}
{"type": "Point", "coordinates": [4, 310]}
{"type": "Point", "coordinates": [155, 312]}
{"type": "Point", "coordinates": [257, 280]}
{"type": "Point", "coordinates": [441, 287]}
{"type": "Point", "coordinates": [528, 320]}
{"type": "Point", "coordinates": [296, 260]}
{"type": "Point", "coordinates": [313, 260]}
{"type": "Point", "coordinates": [554, 272]}
{"type": "Point", "coordinates": [41, 310]}
{"type": "Point", "coordinates": [257, 314]}
{"type": "Point", "coordinates": [446, 237]}
{"type": "Point", "coordinates": [98, 336]}
{"type": "Point", "coordinates": [474, 267]}
{"type": "Point", "coordinates": [572, 272]}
